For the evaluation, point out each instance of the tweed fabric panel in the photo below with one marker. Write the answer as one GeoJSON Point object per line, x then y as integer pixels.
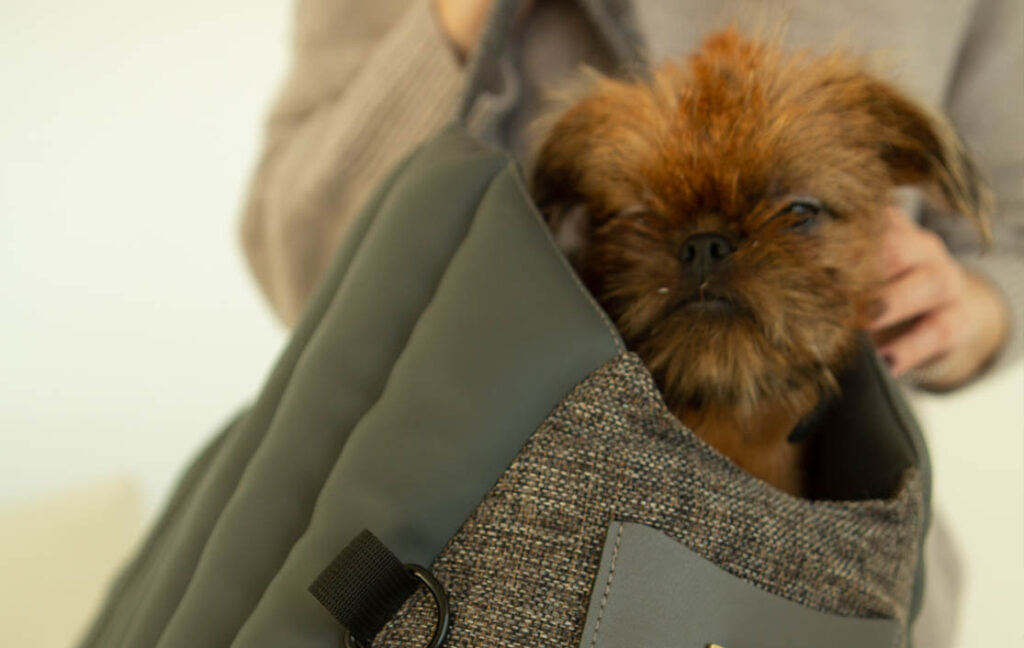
{"type": "Point", "coordinates": [520, 571]}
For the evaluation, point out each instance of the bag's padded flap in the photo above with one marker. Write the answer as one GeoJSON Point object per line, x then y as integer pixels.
{"type": "Point", "coordinates": [652, 591]}
{"type": "Point", "coordinates": [456, 329]}
{"type": "Point", "coordinates": [148, 592]}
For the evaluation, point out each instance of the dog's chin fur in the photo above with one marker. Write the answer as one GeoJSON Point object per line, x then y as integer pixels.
{"type": "Point", "coordinates": [726, 143]}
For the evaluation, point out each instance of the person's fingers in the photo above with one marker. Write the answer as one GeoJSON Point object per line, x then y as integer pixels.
{"type": "Point", "coordinates": [905, 245]}
{"type": "Point", "coordinates": [930, 337]}
{"type": "Point", "coordinates": [462, 21]}
{"type": "Point", "coordinates": [920, 290]}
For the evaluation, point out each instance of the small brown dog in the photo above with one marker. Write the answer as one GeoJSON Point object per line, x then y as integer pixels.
{"type": "Point", "coordinates": [729, 210]}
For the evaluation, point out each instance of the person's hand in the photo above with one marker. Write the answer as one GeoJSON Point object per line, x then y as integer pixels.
{"type": "Point", "coordinates": [930, 316]}
{"type": "Point", "coordinates": [462, 21]}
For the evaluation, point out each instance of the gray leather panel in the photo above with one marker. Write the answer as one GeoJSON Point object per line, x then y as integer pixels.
{"type": "Point", "coordinates": [652, 591]}
{"type": "Point", "coordinates": [506, 336]}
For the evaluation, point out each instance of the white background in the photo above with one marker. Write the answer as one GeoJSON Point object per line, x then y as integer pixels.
{"type": "Point", "coordinates": [130, 328]}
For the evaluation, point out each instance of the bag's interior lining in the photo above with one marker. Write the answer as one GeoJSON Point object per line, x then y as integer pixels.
{"type": "Point", "coordinates": [862, 445]}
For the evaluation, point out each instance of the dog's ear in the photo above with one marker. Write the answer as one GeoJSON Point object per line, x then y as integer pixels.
{"type": "Point", "coordinates": [558, 167]}
{"type": "Point", "coordinates": [582, 137]}
{"type": "Point", "coordinates": [570, 227]}
{"type": "Point", "coordinates": [559, 164]}
{"type": "Point", "coordinates": [922, 148]}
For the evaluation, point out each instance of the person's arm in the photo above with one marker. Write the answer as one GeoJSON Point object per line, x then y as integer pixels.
{"type": "Point", "coordinates": [986, 103]}
{"type": "Point", "coordinates": [368, 81]}
{"type": "Point", "coordinates": [970, 309]}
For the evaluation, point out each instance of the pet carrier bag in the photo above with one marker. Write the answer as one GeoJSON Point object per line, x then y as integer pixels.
{"type": "Point", "coordinates": [455, 410]}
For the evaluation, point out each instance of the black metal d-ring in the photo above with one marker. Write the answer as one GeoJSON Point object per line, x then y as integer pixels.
{"type": "Point", "coordinates": [440, 599]}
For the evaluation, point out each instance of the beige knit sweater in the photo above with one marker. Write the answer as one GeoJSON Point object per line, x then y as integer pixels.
{"type": "Point", "coordinates": [370, 80]}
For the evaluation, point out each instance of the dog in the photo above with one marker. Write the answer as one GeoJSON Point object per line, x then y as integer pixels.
{"type": "Point", "coordinates": [727, 212]}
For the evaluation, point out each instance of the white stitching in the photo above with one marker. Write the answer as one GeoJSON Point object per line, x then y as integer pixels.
{"type": "Point", "coordinates": [608, 585]}
{"type": "Point", "coordinates": [572, 273]}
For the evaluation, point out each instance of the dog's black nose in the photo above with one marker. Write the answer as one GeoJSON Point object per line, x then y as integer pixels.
{"type": "Point", "coordinates": [702, 253]}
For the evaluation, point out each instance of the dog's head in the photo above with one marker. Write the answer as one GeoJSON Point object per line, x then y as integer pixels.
{"type": "Point", "coordinates": [730, 207]}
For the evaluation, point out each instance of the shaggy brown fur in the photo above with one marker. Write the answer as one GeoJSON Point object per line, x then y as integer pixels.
{"type": "Point", "coordinates": [789, 162]}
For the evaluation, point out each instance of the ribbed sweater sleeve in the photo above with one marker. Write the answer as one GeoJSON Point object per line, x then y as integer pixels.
{"type": "Point", "coordinates": [368, 81]}
{"type": "Point", "coordinates": [986, 103]}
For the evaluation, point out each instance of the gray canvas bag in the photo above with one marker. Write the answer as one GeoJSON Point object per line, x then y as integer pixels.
{"type": "Point", "coordinates": [453, 389]}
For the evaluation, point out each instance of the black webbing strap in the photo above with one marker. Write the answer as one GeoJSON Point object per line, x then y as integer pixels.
{"type": "Point", "coordinates": [364, 587]}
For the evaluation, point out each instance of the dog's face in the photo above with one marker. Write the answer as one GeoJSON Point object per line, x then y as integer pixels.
{"type": "Point", "coordinates": [730, 209]}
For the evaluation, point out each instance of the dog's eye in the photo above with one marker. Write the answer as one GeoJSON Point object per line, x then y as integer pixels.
{"type": "Point", "coordinates": [636, 212]}
{"type": "Point", "coordinates": [805, 213]}
{"type": "Point", "coordinates": [809, 207]}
